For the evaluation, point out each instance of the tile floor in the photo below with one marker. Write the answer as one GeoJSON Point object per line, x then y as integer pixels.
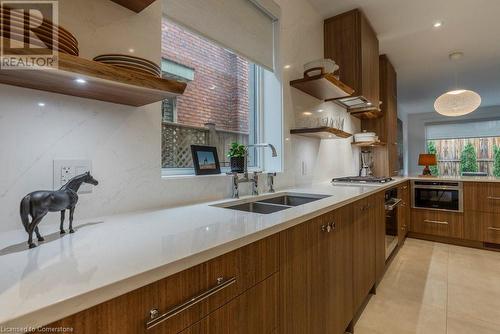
{"type": "Point", "coordinates": [433, 288]}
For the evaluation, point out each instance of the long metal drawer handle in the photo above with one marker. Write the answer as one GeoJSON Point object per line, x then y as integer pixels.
{"type": "Point", "coordinates": [156, 319]}
{"type": "Point", "coordinates": [494, 198]}
{"type": "Point", "coordinates": [392, 206]}
{"type": "Point", "coordinates": [493, 228]}
{"type": "Point", "coordinates": [435, 222]}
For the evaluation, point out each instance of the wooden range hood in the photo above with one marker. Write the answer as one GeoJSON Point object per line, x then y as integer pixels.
{"type": "Point", "coordinates": [352, 43]}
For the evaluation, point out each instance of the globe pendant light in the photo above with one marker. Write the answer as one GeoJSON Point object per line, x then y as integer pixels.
{"type": "Point", "coordinates": [457, 102]}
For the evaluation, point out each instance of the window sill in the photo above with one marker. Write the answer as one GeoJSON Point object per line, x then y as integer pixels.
{"type": "Point", "coordinates": [187, 173]}
{"type": "Point", "coordinates": [189, 176]}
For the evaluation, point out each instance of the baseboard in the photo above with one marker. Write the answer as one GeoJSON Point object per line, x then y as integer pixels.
{"type": "Point", "coordinates": [456, 241]}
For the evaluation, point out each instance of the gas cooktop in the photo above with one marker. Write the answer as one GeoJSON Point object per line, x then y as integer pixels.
{"type": "Point", "coordinates": [362, 179]}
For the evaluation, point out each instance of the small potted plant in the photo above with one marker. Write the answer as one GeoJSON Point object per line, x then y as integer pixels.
{"type": "Point", "coordinates": [237, 155]}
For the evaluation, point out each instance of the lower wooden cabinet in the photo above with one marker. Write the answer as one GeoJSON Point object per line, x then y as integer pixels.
{"type": "Point", "coordinates": [380, 237]}
{"type": "Point", "coordinates": [364, 258]}
{"type": "Point", "coordinates": [482, 196]}
{"type": "Point", "coordinates": [255, 311]}
{"type": "Point", "coordinates": [316, 275]}
{"type": "Point", "coordinates": [482, 226]}
{"type": "Point", "coordinates": [490, 223]}
{"type": "Point", "coordinates": [233, 273]}
{"type": "Point", "coordinates": [439, 223]}
{"type": "Point", "coordinates": [309, 279]}
{"type": "Point", "coordinates": [404, 212]}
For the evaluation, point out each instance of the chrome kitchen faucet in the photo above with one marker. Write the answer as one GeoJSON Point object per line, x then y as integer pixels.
{"type": "Point", "coordinates": [255, 179]}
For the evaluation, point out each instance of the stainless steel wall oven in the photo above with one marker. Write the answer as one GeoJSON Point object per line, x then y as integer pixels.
{"type": "Point", "coordinates": [437, 195]}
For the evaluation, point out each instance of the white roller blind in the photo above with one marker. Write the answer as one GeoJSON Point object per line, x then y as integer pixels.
{"type": "Point", "coordinates": [244, 26]}
{"type": "Point", "coordinates": [476, 129]}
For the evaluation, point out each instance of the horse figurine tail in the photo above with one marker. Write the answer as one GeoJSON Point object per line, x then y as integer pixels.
{"type": "Point", "coordinates": [25, 211]}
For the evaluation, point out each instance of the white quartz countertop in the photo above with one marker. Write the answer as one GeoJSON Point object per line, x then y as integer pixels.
{"type": "Point", "coordinates": [457, 178]}
{"type": "Point", "coordinates": [110, 256]}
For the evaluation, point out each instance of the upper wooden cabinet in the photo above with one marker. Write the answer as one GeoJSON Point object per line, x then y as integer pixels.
{"type": "Point", "coordinates": [352, 43]}
{"type": "Point", "coordinates": [386, 127]}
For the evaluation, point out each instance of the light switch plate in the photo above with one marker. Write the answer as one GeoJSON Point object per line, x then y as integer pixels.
{"type": "Point", "coordinates": [66, 169]}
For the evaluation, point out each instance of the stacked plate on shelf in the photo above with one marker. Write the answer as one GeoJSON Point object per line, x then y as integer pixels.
{"type": "Point", "coordinates": [364, 137]}
{"type": "Point", "coordinates": [46, 35]}
{"type": "Point", "coordinates": [131, 63]}
{"type": "Point", "coordinates": [328, 66]}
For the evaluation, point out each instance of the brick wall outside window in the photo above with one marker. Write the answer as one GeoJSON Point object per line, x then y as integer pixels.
{"type": "Point", "coordinates": [219, 92]}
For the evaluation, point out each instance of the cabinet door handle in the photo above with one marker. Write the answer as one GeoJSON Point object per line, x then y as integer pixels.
{"type": "Point", "coordinates": [328, 227]}
{"type": "Point", "coordinates": [435, 222]}
{"type": "Point", "coordinates": [494, 198]}
{"type": "Point", "coordinates": [366, 207]}
{"type": "Point", "coordinates": [156, 318]}
{"type": "Point", "coordinates": [494, 228]}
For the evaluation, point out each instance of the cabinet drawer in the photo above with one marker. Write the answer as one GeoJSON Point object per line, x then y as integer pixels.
{"type": "Point", "coordinates": [446, 224]}
{"type": "Point", "coordinates": [255, 311]}
{"type": "Point", "coordinates": [482, 196]}
{"type": "Point", "coordinates": [490, 224]}
{"type": "Point", "coordinates": [211, 285]}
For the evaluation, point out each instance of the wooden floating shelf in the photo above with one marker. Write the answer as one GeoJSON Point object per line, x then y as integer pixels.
{"type": "Point", "coordinates": [102, 82]}
{"type": "Point", "coordinates": [323, 132]}
{"type": "Point", "coordinates": [322, 86]}
{"type": "Point", "coordinates": [369, 144]}
{"type": "Point", "coordinates": [366, 113]}
{"type": "Point", "coordinates": [134, 5]}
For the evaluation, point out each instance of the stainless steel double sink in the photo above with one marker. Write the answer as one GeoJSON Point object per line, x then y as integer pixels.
{"type": "Point", "coordinates": [266, 205]}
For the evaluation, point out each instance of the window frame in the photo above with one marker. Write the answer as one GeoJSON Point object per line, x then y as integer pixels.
{"type": "Point", "coordinates": [181, 172]}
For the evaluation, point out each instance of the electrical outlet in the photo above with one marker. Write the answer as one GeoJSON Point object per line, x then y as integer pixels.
{"type": "Point", "coordinates": [65, 170]}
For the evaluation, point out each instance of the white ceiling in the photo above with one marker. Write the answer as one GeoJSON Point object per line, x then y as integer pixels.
{"type": "Point", "coordinates": [420, 52]}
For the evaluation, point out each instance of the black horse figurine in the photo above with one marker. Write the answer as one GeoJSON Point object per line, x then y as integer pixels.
{"type": "Point", "coordinates": [37, 204]}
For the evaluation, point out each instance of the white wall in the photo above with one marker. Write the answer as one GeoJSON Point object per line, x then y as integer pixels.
{"type": "Point", "coordinates": [416, 130]}
{"type": "Point", "coordinates": [302, 41]}
{"type": "Point", "coordinates": [124, 142]}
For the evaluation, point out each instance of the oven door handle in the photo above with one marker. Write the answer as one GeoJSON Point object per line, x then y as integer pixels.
{"type": "Point", "coordinates": [390, 207]}
{"type": "Point", "coordinates": [438, 187]}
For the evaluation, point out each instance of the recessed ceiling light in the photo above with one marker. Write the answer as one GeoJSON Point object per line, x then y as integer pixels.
{"type": "Point", "coordinates": [286, 67]}
{"type": "Point", "coordinates": [131, 50]}
{"type": "Point", "coordinates": [80, 81]}
{"type": "Point", "coordinates": [437, 24]}
{"type": "Point", "coordinates": [320, 110]}
{"type": "Point", "coordinates": [41, 104]}
{"type": "Point", "coordinates": [307, 113]}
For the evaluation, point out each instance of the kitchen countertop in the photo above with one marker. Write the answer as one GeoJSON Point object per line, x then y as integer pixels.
{"type": "Point", "coordinates": [109, 256]}
{"type": "Point", "coordinates": [113, 255]}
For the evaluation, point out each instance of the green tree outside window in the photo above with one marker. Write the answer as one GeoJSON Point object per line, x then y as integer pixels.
{"type": "Point", "coordinates": [431, 149]}
{"type": "Point", "coordinates": [496, 161]}
{"type": "Point", "coordinates": [468, 159]}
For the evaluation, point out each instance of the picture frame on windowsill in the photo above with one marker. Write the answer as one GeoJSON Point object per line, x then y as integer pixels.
{"type": "Point", "coordinates": [205, 160]}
